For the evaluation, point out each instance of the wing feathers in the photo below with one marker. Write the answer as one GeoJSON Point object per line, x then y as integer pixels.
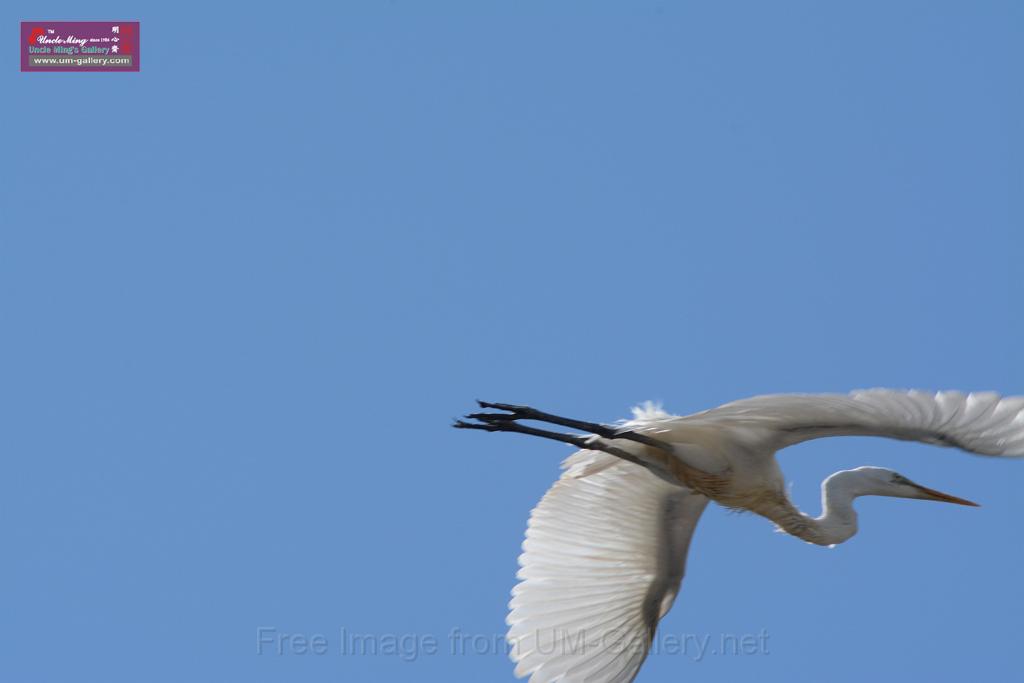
{"type": "Point", "coordinates": [982, 423]}
{"type": "Point", "coordinates": [601, 563]}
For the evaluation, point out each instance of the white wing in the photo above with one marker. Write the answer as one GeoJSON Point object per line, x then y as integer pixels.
{"type": "Point", "coordinates": [981, 423]}
{"type": "Point", "coordinates": [603, 558]}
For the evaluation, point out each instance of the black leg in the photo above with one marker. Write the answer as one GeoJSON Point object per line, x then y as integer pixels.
{"type": "Point", "coordinates": [584, 442]}
{"type": "Point", "coordinates": [514, 412]}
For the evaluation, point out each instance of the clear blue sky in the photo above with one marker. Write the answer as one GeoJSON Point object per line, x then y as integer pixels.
{"type": "Point", "coordinates": [245, 290]}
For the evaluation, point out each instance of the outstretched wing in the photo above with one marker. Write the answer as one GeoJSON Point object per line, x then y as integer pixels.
{"type": "Point", "coordinates": [603, 558]}
{"type": "Point", "coordinates": [983, 423]}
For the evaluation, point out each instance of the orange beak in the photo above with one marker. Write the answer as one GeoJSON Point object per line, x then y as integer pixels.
{"type": "Point", "coordinates": [932, 494]}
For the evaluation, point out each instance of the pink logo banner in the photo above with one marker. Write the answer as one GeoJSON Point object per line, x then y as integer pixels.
{"type": "Point", "coordinates": [79, 46]}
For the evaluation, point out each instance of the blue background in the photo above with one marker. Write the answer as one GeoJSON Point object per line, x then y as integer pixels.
{"type": "Point", "coordinates": [245, 291]}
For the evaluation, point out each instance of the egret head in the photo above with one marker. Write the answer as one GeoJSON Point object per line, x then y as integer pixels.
{"type": "Point", "coordinates": [878, 481]}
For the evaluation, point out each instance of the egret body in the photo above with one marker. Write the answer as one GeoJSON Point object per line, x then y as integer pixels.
{"type": "Point", "coordinates": [606, 547]}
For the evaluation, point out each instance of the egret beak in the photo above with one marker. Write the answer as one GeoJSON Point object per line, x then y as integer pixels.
{"type": "Point", "coordinates": [932, 494]}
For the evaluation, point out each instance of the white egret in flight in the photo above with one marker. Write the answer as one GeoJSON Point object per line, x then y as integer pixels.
{"type": "Point", "coordinates": [606, 547]}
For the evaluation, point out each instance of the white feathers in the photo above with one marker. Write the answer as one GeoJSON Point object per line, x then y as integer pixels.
{"type": "Point", "coordinates": [606, 547]}
{"type": "Point", "coordinates": [603, 557]}
{"type": "Point", "coordinates": [649, 410]}
{"type": "Point", "coordinates": [982, 423]}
